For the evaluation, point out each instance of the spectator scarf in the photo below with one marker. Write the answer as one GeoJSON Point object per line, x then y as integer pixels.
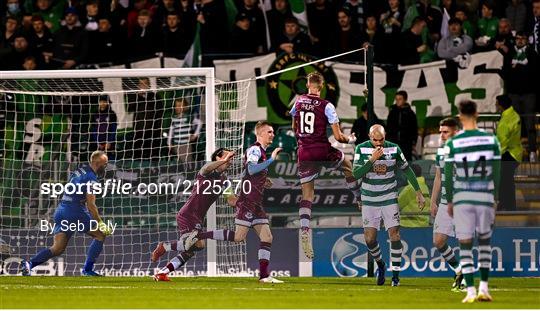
{"type": "Point", "coordinates": [520, 57]}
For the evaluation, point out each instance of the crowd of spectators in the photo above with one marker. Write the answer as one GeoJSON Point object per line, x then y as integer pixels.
{"type": "Point", "coordinates": [50, 34]}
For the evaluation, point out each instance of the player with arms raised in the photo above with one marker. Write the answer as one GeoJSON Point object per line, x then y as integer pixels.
{"type": "Point", "coordinates": [191, 216]}
{"type": "Point", "coordinates": [310, 117]}
{"type": "Point", "coordinates": [443, 227]}
{"type": "Point", "coordinates": [375, 163]}
{"type": "Point", "coordinates": [77, 208]}
{"type": "Point", "coordinates": [473, 157]}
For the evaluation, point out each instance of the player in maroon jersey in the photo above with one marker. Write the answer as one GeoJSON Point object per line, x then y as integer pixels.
{"type": "Point", "coordinates": [249, 208]}
{"type": "Point", "coordinates": [191, 216]}
{"type": "Point", "coordinates": [311, 116]}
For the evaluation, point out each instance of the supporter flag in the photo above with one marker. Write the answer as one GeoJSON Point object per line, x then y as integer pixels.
{"type": "Point", "coordinates": [266, 6]}
{"type": "Point", "coordinates": [193, 56]}
{"type": "Point", "coordinates": [444, 24]}
{"type": "Point", "coordinates": [232, 11]}
{"type": "Point", "coordinates": [298, 9]}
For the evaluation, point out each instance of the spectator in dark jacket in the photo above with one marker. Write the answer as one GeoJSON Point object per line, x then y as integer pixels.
{"type": "Point", "coordinates": [522, 80]}
{"type": "Point", "coordinates": [147, 120]}
{"type": "Point", "coordinates": [401, 125]}
{"type": "Point", "coordinates": [71, 42]}
{"type": "Point", "coordinates": [504, 40]}
{"type": "Point", "coordinates": [346, 38]}
{"type": "Point", "coordinates": [15, 59]}
{"type": "Point", "coordinates": [104, 127]}
{"type": "Point", "coordinates": [41, 42]}
{"type": "Point", "coordinates": [257, 24]}
{"type": "Point", "coordinates": [293, 40]}
{"type": "Point", "coordinates": [360, 126]}
{"type": "Point", "coordinates": [145, 41]}
{"type": "Point", "coordinates": [412, 44]}
{"type": "Point", "coordinates": [213, 22]}
{"type": "Point", "coordinates": [107, 44]}
{"type": "Point", "coordinates": [391, 22]}
{"type": "Point", "coordinates": [244, 38]}
{"type": "Point", "coordinates": [276, 20]}
{"type": "Point", "coordinates": [321, 32]}
{"type": "Point", "coordinates": [176, 41]}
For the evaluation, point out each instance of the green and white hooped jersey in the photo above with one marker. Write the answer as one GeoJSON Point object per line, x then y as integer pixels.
{"type": "Point", "coordinates": [379, 186]}
{"type": "Point", "coordinates": [473, 154]}
{"type": "Point", "coordinates": [439, 162]}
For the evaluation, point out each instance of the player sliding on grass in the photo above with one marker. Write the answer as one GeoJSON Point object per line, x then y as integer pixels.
{"type": "Point", "coordinates": [474, 157]}
{"type": "Point", "coordinates": [311, 115]}
{"type": "Point", "coordinates": [443, 226]}
{"type": "Point", "coordinates": [191, 216]}
{"type": "Point", "coordinates": [375, 163]}
{"type": "Point", "coordinates": [74, 209]}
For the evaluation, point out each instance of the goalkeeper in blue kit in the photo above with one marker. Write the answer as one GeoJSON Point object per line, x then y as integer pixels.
{"type": "Point", "coordinates": [76, 213]}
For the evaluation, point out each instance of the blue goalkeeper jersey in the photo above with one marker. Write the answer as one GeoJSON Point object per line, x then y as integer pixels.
{"type": "Point", "coordinates": [81, 181]}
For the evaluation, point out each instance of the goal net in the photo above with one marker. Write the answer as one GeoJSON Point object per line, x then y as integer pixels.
{"type": "Point", "coordinates": [157, 126]}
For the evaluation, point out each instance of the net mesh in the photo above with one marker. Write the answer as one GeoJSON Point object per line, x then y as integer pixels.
{"type": "Point", "coordinates": [153, 130]}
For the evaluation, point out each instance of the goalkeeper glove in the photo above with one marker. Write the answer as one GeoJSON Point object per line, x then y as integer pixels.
{"type": "Point", "coordinates": [104, 228]}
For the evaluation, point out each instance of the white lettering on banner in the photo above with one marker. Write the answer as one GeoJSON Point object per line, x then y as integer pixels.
{"type": "Point", "coordinates": [53, 267]}
{"type": "Point", "coordinates": [347, 88]}
{"type": "Point", "coordinates": [492, 83]}
{"type": "Point", "coordinates": [434, 90]}
{"type": "Point", "coordinates": [416, 254]}
{"type": "Point", "coordinates": [437, 260]}
{"type": "Point", "coordinates": [247, 68]}
{"type": "Point", "coordinates": [532, 254]}
{"type": "Point", "coordinates": [420, 260]}
{"type": "Point", "coordinates": [32, 136]}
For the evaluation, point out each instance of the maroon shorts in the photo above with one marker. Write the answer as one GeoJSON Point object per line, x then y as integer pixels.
{"type": "Point", "coordinates": [248, 216]}
{"type": "Point", "coordinates": [186, 225]}
{"type": "Point", "coordinates": [311, 160]}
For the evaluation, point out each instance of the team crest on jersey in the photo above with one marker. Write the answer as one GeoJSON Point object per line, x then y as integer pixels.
{"type": "Point", "coordinates": [282, 89]}
{"type": "Point", "coordinates": [248, 215]}
{"type": "Point", "coordinates": [380, 169]}
{"type": "Point", "coordinates": [388, 156]}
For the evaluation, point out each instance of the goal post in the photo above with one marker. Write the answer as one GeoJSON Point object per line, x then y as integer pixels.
{"type": "Point", "coordinates": [49, 123]}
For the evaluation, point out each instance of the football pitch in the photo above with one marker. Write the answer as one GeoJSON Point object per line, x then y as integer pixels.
{"type": "Point", "coordinates": [199, 292]}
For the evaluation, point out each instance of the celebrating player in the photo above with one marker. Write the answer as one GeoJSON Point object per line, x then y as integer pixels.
{"type": "Point", "coordinates": [190, 217]}
{"type": "Point", "coordinates": [249, 209]}
{"type": "Point", "coordinates": [75, 213]}
{"type": "Point", "coordinates": [311, 115]}
{"type": "Point", "coordinates": [375, 163]}
{"type": "Point", "coordinates": [444, 226]}
{"type": "Point", "coordinates": [472, 197]}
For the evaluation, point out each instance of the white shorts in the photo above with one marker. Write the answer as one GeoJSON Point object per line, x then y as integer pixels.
{"type": "Point", "coordinates": [469, 219]}
{"type": "Point", "coordinates": [372, 215]}
{"type": "Point", "coordinates": [444, 224]}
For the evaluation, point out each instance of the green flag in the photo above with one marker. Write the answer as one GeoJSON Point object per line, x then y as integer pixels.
{"type": "Point", "coordinates": [193, 56]}
{"type": "Point", "coordinates": [232, 11]}
{"type": "Point", "coordinates": [298, 8]}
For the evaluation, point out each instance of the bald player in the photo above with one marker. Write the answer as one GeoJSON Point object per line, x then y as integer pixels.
{"type": "Point", "coordinates": [375, 164]}
{"type": "Point", "coordinates": [75, 214]}
{"type": "Point", "coordinates": [311, 116]}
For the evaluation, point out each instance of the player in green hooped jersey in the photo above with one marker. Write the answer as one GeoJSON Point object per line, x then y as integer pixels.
{"type": "Point", "coordinates": [375, 163]}
{"type": "Point", "coordinates": [443, 226]}
{"type": "Point", "coordinates": [473, 159]}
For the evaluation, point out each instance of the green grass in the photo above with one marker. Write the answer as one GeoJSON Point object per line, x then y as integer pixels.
{"type": "Point", "coordinates": [315, 293]}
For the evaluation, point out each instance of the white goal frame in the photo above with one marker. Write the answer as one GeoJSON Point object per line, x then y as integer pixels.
{"type": "Point", "coordinates": [210, 114]}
